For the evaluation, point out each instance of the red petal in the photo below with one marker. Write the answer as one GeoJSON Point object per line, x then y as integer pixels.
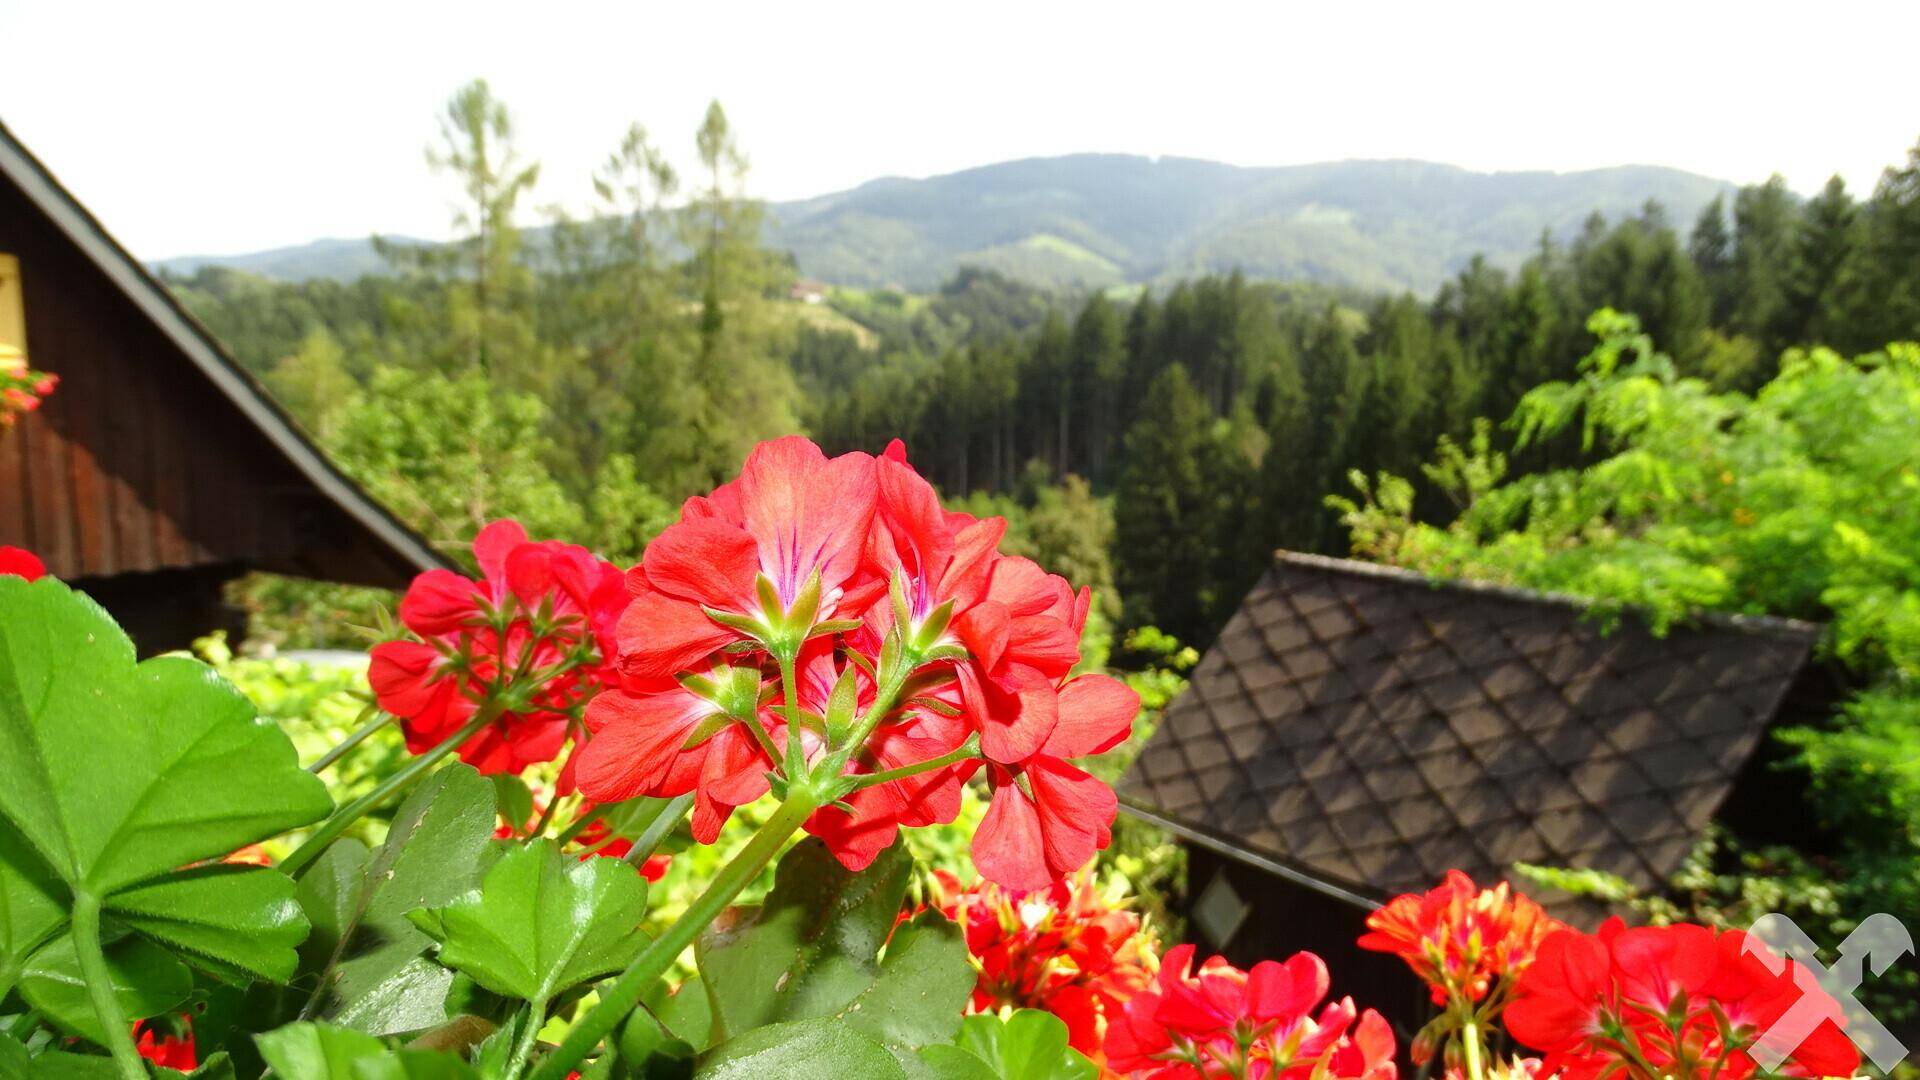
{"type": "Point", "coordinates": [1096, 715]}
{"type": "Point", "coordinates": [1075, 811]}
{"type": "Point", "coordinates": [1007, 848]}
{"type": "Point", "coordinates": [492, 545]}
{"type": "Point", "coordinates": [438, 602]}
{"type": "Point", "coordinates": [661, 636]}
{"type": "Point", "coordinates": [21, 563]}
{"type": "Point", "coordinates": [705, 561]}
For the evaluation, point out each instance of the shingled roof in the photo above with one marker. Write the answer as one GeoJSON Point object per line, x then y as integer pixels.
{"type": "Point", "coordinates": [1361, 729]}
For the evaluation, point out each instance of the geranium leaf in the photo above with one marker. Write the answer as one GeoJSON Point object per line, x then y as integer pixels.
{"type": "Point", "coordinates": [819, 1049]}
{"type": "Point", "coordinates": [812, 951]}
{"type": "Point", "coordinates": [438, 846]}
{"type": "Point", "coordinates": [811, 947]}
{"type": "Point", "coordinates": [118, 772]}
{"type": "Point", "coordinates": [541, 923]}
{"type": "Point", "coordinates": [243, 919]}
{"type": "Point", "coordinates": [145, 978]}
{"type": "Point", "coordinates": [317, 1051]}
{"type": "Point", "coordinates": [1029, 1045]}
{"type": "Point", "coordinates": [923, 986]}
{"type": "Point", "coordinates": [33, 905]}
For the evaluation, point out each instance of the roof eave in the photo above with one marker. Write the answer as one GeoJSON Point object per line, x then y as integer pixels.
{"type": "Point", "coordinates": [157, 304]}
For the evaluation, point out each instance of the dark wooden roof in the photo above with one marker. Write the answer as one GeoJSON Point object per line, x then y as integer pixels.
{"type": "Point", "coordinates": [158, 452]}
{"type": "Point", "coordinates": [1361, 730]}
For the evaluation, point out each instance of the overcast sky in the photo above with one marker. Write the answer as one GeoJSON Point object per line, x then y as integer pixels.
{"type": "Point", "coordinates": [227, 127]}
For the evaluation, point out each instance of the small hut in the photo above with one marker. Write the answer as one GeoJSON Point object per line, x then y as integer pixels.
{"type": "Point", "coordinates": [1359, 730]}
{"type": "Point", "coordinates": [159, 470]}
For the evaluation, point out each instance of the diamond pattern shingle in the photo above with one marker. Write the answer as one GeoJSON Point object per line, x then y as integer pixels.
{"type": "Point", "coordinates": [1375, 727]}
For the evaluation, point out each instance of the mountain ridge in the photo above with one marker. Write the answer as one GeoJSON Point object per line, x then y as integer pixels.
{"type": "Point", "coordinates": [1093, 220]}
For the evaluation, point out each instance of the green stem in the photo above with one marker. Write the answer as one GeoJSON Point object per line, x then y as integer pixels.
{"type": "Point", "coordinates": [883, 702]}
{"type": "Point", "coordinates": [93, 965]}
{"type": "Point", "coordinates": [546, 817]}
{"type": "Point", "coordinates": [649, 839]}
{"type": "Point", "coordinates": [344, 817]}
{"type": "Point", "coordinates": [624, 994]}
{"type": "Point", "coordinates": [360, 735]}
{"type": "Point", "coordinates": [1470, 1039]}
{"type": "Point", "coordinates": [970, 748]}
{"type": "Point", "coordinates": [523, 1045]}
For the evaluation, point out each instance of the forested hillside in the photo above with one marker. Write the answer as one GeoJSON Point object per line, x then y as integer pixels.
{"type": "Point", "coordinates": [1095, 220]}
{"type": "Point", "coordinates": [591, 388]}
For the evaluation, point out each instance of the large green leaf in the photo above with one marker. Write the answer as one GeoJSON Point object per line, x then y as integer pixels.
{"type": "Point", "coordinates": [330, 891]}
{"type": "Point", "coordinates": [812, 951]}
{"type": "Point", "coordinates": [541, 923]}
{"type": "Point", "coordinates": [243, 920]}
{"type": "Point", "coordinates": [820, 1049]}
{"type": "Point", "coordinates": [33, 904]}
{"type": "Point", "coordinates": [118, 772]}
{"type": "Point", "coordinates": [440, 844]}
{"type": "Point", "coordinates": [923, 986]}
{"type": "Point", "coordinates": [1029, 1045]}
{"type": "Point", "coordinates": [811, 948]}
{"type": "Point", "coordinates": [145, 979]}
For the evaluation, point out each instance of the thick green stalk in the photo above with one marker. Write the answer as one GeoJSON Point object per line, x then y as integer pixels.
{"type": "Point", "coordinates": [624, 994]}
{"type": "Point", "coordinates": [93, 965]}
{"type": "Point", "coordinates": [523, 1046]}
{"type": "Point", "coordinates": [360, 735]}
{"type": "Point", "coordinates": [1470, 1039]}
{"type": "Point", "coordinates": [344, 817]}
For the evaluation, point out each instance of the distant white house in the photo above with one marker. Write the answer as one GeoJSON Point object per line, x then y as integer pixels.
{"type": "Point", "coordinates": [808, 291]}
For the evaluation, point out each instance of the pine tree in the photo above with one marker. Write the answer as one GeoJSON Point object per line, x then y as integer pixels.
{"type": "Point", "coordinates": [1166, 511]}
{"type": "Point", "coordinates": [1826, 239]}
{"type": "Point", "coordinates": [1711, 248]}
{"type": "Point", "coordinates": [1764, 219]}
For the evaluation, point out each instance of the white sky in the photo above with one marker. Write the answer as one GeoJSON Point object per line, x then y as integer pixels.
{"type": "Point", "coordinates": [224, 127]}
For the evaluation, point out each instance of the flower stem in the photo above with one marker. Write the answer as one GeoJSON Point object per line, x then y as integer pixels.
{"type": "Point", "coordinates": [523, 1045]}
{"type": "Point", "coordinates": [621, 996]}
{"type": "Point", "coordinates": [331, 828]}
{"type": "Point", "coordinates": [93, 965]}
{"type": "Point", "coordinates": [965, 750]}
{"type": "Point", "coordinates": [649, 839]}
{"type": "Point", "coordinates": [1470, 1040]}
{"type": "Point", "coordinates": [360, 735]}
{"type": "Point", "coordinates": [578, 826]}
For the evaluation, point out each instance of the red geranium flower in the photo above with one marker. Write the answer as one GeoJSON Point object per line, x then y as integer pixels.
{"type": "Point", "coordinates": [675, 738]}
{"type": "Point", "coordinates": [1019, 625]}
{"type": "Point", "coordinates": [530, 636]}
{"type": "Point", "coordinates": [1676, 1001]}
{"type": "Point", "coordinates": [1221, 1022]}
{"type": "Point", "coordinates": [164, 1048]}
{"type": "Point", "coordinates": [1062, 949]}
{"type": "Point", "coordinates": [21, 563]}
{"type": "Point", "coordinates": [1460, 939]}
{"type": "Point", "coordinates": [1048, 817]}
{"type": "Point", "coordinates": [791, 515]}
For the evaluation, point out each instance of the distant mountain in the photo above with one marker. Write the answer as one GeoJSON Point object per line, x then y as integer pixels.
{"type": "Point", "coordinates": [1091, 220]}
{"type": "Point", "coordinates": [343, 259]}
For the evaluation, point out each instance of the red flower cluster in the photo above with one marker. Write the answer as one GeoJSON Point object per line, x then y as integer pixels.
{"type": "Point", "coordinates": [1220, 1022]}
{"type": "Point", "coordinates": [164, 1048]}
{"type": "Point", "coordinates": [527, 640]}
{"type": "Point", "coordinates": [811, 590]}
{"type": "Point", "coordinates": [21, 563]}
{"type": "Point", "coordinates": [1063, 949]}
{"type": "Point", "coordinates": [1679, 1002]}
{"type": "Point", "coordinates": [21, 389]}
{"type": "Point", "coordinates": [1460, 939]}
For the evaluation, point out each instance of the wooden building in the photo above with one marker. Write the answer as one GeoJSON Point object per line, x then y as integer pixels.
{"type": "Point", "coordinates": [1359, 730]}
{"type": "Point", "coordinates": [159, 470]}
